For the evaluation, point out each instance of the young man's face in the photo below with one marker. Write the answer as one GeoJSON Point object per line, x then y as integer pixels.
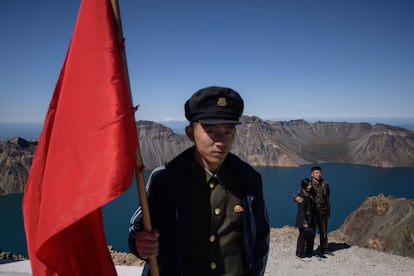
{"type": "Point", "coordinates": [213, 142]}
{"type": "Point", "coordinates": [316, 174]}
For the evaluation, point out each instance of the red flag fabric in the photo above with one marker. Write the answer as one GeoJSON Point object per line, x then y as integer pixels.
{"type": "Point", "coordinates": [85, 155]}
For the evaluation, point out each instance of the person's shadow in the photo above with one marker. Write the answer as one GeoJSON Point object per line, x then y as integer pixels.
{"type": "Point", "coordinates": [332, 247]}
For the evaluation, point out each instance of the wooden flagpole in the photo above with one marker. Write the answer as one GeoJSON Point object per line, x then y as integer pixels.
{"type": "Point", "coordinates": [139, 166]}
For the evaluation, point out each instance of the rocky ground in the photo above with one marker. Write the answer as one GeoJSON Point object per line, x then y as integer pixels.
{"type": "Point", "coordinates": [8, 256]}
{"type": "Point", "coordinates": [347, 260]}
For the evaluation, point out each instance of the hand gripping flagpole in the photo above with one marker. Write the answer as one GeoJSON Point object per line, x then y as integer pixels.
{"type": "Point", "coordinates": [139, 166]}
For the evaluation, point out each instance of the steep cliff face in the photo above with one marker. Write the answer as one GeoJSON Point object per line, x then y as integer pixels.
{"type": "Point", "coordinates": [381, 223]}
{"type": "Point", "coordinates": [384, 146]}
{"type": "Point", "coordinates": [293, 143]}
{"type": "Point", "coordinates": [15, 159]}
{"type": "Point", "coordinates": [259, 142]}
{"type": "Point", "coordinates": [262, 144]}
{"type": "Point", "coordinates": [159, 144]}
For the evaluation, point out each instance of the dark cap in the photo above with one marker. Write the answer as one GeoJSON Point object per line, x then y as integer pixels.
{"type": "Point", "coordinates": [214, 105]}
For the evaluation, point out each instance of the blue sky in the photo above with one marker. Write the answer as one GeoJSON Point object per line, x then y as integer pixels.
{"type": "Point", "coordinates": [289, 59]}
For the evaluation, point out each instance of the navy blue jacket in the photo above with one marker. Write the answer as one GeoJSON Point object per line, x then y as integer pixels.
{"type": "Point", "coordinates": [168, 199]}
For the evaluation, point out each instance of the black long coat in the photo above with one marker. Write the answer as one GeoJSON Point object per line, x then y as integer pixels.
{"type": "Point", "coordinates": [306, 210]}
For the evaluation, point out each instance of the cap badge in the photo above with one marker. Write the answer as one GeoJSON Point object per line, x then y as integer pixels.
{"type": "Point", "coordinates": [222, 102]}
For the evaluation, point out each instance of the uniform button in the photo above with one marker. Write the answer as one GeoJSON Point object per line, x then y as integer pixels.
{"type": "Point", "coordinates": [217, 211]}
{"type": "Point", "coordinates": [213, 265]}
{"type": "Point", "coordinates": [212, 185]}
{"type": "Point", "coordinates": [212, 238]}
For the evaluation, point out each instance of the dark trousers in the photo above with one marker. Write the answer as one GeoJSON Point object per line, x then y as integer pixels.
{"type": "Point", "coordinates": [304, 245]}
{"type": "Point", "coordinates": [322, 223]}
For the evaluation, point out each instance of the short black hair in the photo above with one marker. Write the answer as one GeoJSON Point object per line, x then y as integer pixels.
{"type": "Point", "coordinates": [305, 182]}
{"type": "Point", "coordinates": [316, 168]}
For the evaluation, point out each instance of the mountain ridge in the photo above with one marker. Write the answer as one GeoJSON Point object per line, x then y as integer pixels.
{"type": "Point", "coordinates": [258, 142]}
{"type": "Point", "coordinates": [297, 142]}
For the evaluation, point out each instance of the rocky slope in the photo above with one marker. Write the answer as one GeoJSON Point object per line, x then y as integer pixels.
{"type": "Point", "coordinates": [15, 159]}
{"type": "Point", "coordinates": [259, 142]}
{"type": "Point", "coordinates": [382, 223]}
{"type": "Point", "coordinates": [159, 143]}
{"type": "Point", "coordinates": [293, 143]}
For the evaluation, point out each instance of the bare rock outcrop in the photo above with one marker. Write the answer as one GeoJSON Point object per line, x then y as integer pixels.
{"type": "Point", "coordinates": [15, 160]}
{"type": "Point", "coordinates": [123, 258]}
{"type": "Point", "coordinates": [382, 223]}
{"type": "Point", "coordinates": [11, 256]}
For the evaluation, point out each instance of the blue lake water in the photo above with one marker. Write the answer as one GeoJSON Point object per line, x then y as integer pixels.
{"type": "Point", "coordinates": [350, 186]}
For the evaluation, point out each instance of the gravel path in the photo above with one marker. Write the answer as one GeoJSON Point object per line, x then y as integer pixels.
{"type": "Point", "coordinates": [346, 260]}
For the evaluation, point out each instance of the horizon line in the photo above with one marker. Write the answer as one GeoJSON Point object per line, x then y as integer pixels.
{"type": "Point", "coordinates": [287, 118]}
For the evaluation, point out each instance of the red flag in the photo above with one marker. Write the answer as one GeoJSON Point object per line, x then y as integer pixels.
{"type": "Point", "coordinates": [86, 151]}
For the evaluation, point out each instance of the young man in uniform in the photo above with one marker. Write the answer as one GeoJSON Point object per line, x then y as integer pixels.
{"type": "Point", "coordinates": [323, 207]}
{"type": "Point", "coordinates": [207, 206]}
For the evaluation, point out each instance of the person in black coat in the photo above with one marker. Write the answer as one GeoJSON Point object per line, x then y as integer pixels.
{"type": "Point", "coordinates": [207, 206]}
{"type": "Point", "coordinates": [305, 219]}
